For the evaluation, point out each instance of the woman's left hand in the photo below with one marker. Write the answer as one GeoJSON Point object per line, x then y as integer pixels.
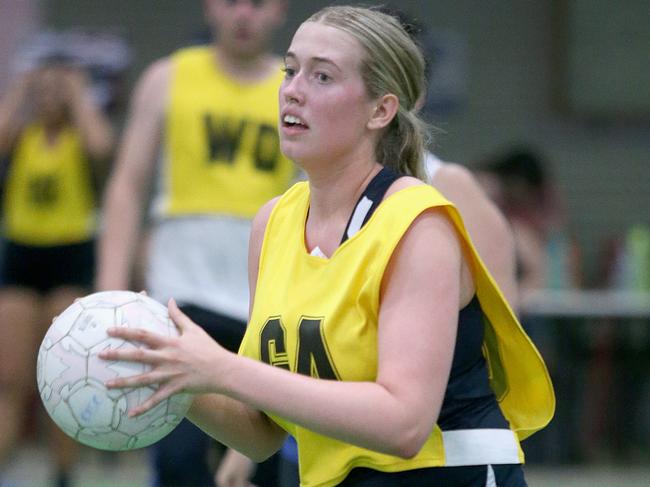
{"type": "Point", "coordinates": [189, 362]}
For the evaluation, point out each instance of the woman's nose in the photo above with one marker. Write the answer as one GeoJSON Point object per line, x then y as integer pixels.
{"type": "Point", "coordinates": [292, 91]}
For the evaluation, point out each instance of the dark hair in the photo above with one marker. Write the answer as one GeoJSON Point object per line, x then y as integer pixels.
{"type": "Point", "coordinates": [57, 59]}
{"type": "Point", "coordinates": [521, 164]}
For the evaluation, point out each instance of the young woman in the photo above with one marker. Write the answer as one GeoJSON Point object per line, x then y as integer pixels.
{"type": "Point", "coordinates": [55, 141]}
{"type": "Point", "coordinates": [371, 312]}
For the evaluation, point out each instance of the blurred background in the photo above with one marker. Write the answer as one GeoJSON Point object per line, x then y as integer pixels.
{"type": "Point", "coordinates": [549, 103]}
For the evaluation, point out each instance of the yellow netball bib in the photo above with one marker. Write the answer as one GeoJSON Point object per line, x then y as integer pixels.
{"type": "Point", "coordinates": [222, 151]}
{"type": "Point", "coordinates": [49, 197]}
{"type": "Point", "coordinates": [319, 317]}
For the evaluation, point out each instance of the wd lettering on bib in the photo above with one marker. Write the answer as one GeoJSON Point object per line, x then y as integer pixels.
{"type": "Point", "coordinates": [267, 148]}
{"type": "Point", "coordinates": [224, 137]}
{"type": "Point", "coordinates": [221, 146]}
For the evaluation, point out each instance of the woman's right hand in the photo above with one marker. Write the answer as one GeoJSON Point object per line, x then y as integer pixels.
{"type": "Point", "coordinates": [191, 362]}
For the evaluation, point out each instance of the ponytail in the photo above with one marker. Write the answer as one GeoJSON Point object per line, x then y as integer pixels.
{"type": "Point", "coordinates": [401, 148]}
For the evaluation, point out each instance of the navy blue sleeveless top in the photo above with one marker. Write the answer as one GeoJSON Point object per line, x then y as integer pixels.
{"type": "Point", "coordinates": [469, 402]}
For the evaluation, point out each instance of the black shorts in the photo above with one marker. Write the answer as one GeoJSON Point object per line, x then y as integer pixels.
{"type": "Point", "coordinates": [44, 268]}
{"type": "Point", "coordinates": [226, 331]}
{"type": "Point", "coordinates": [466, 476]}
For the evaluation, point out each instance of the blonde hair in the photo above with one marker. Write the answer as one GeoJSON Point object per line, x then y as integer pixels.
{"type": "Point", "coordinates": [394, 64]}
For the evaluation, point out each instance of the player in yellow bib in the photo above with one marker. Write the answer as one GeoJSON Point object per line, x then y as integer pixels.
{"type": "Point", "coordinates": [203, 130]}
{"type": "Point", "coordinates": [55, 139]}
{"type": "Point", "coordinates": [377, 337]}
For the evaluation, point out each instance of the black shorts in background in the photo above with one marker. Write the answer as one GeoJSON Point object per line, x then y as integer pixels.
{"type": "Point", "coordinates": [44, 268]}
{"type": "Point", "coordinates": [225, 330]}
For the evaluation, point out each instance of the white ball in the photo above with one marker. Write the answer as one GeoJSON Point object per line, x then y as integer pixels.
{"type": "Point", "coordinates": [71, 376]}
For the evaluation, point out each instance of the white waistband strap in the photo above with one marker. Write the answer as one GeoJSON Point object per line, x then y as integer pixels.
{"type": "Point", "coordinates": [480, 447]}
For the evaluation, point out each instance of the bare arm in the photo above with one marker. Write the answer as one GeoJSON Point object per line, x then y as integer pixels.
{"type": "Point", "coordinates": [532, 256]}
{"type": "Point", "coordinates": [486, 225]}
{"type": "Point", "coordinates": [237, 425]}
{"type": "Point", "coordinates": [255, 247]}
{"type": "Point", "coordinates": [393, 414]}
{"type": "Point", "coordinates": [124, 199]}
{"type": "Point", "coordinates": [93, 125]}
{"type": "Point", "coordinates": [12, 105]}
{"type": "Point", "coordinates": [235, 470]}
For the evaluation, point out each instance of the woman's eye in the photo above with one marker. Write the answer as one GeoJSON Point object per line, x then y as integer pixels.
{"type": "Point", "coordinates": [322, 77]}
{"type": "Point", "coordinates": [288, 72]}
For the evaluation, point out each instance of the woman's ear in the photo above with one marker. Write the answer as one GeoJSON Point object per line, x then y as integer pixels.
{"type": "Point", "coordinates": [384, 111]}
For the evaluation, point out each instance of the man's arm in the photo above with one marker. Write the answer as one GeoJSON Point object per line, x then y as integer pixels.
{"type": "Point", "coordinates": [486, 225]}
{"type": "Point", "coordinates": [128, 185]}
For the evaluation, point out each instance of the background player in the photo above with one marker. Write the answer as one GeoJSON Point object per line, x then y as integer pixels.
{"type": "Point", "coordinates": [53, 139]}
{"type": "Point", "coordinates": [211, 113]}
